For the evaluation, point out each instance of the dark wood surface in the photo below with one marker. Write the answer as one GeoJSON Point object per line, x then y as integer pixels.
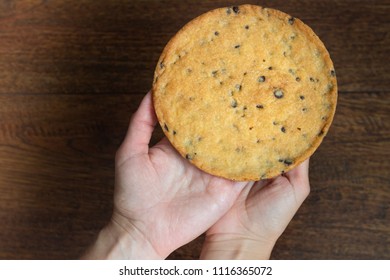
{"type": "Point", "coordinates": [72, 72]}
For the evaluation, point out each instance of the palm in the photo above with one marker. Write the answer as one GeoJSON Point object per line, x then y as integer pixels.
{"type": "Point", "coordinates": [174, 199]}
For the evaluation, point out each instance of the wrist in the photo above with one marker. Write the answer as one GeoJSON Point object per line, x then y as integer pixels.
{"type": "Point", "coordinates": [116, 241]}
{"type": "Point", "coordinates": [231, 247]}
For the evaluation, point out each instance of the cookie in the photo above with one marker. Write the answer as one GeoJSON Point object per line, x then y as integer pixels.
{"type": "Point", "coordinates": [245, 92]}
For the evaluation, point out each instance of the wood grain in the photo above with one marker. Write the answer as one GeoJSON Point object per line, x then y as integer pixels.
{"type": "Point", "coordinates": [97, 46]}
{"type": "Point", "coordinates": [73, 72]}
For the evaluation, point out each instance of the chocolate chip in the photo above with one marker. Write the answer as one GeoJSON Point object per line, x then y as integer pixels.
{"type": "Point", "coordinates": [270, 68]}
{"type": "Point", "coordinates": [245, 73]}
{"type": "Point", "coordinates": [189, 157]}
{"type": "Point", "coordinates": [246, 26]}
{"type": "Point", "coordinates": [245, 108]}
{"type": "Point", "coordinates": [286, 161]}
{"type": "Point", "coordinates": [333, 73]}
{"type": "Point", "coordinates": [299, 128]}
{"type": "Point", "coordinates": [233, 103]}
{"type": "Point", "coordinates": [283, 129]}
{"type": "Point", "coordinates": [261, 79]}
{"type": "Point", "coordinates": [311, 79]}
{"type": "Point", "coordinates": [302, 97]}
{"type": "Point", "coordinates": [236, 10]}
{"type": "Point", "coordinates": [304, 109]}
{"type": "Point", "coordinates": [291, 20]}
{"type": "Point", "coordinates": [251, 128]}
{"type": "Point", "coordinates": [216, 33]}
{"type": "Point", "coordinates": [237, 46]}
{"type": "Point", "coordinates": [278, 93]}
{"type": "Point", "coordinates": [166, 127]}
{"type": "Point", "coordinates": [174, 132]}
{"type": "Point", "coordinates": [297, 79]}
{"type": "Point", "coordinates": [259, 106]}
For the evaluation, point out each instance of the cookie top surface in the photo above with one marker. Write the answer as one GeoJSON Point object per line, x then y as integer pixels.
{"type": "Point", "coordinates": [246, 92]}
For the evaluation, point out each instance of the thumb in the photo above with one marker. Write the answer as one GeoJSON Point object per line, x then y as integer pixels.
{"type": "Point", "coordinates": [280, 199]}
{"type": "Point", "coordinates": [140, 130]}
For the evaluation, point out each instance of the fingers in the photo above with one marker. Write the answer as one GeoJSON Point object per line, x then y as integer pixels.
{"type": "Point", "coordinates": [140, 129]}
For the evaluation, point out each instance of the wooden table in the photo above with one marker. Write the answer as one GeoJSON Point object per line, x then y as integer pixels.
{"type": "Point", "coordinates": [72, 72]}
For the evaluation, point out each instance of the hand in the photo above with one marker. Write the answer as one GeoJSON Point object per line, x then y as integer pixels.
{"type": "Point", "coordinates": [161, 201]}
{"type": "Point", "coordinates": [259, 216]}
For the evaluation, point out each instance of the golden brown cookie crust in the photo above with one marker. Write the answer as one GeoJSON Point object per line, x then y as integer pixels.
{"type": "Point", "coordinates": [246, 92]}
